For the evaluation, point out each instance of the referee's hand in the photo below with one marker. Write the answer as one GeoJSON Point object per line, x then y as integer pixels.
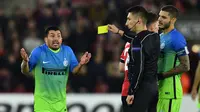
{"type": "Point", "coordinates": [113, 28]}
{"type": "Point", "coordinates": [130, 99]}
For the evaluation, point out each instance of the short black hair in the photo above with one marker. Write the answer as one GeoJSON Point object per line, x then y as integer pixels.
{"type": "Point", "coordinates": [140, 11]}
{"type": "Point", "coordinates": [55, 28]}
{"type": "Point", "coordinates": [173, 11]}
{"type": "Point", "coordinates": [151, 18]}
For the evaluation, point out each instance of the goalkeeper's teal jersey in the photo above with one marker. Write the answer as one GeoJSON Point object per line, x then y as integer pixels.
{"type": "Point", "coordinates": [51, 74]}
{"type": "Point", "coordinates": [172, 46]}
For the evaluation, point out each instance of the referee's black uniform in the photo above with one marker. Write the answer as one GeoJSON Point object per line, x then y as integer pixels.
{"type": "Point", "coordinates": [142, 70]}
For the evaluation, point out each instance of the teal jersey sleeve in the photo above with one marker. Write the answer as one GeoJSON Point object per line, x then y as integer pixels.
{"type": "Point", "coordinates": [179, 44]}
{"type": "Point", "coordinates": [73, 61]}
{"type": "Point", "coordinates": [33, 58]}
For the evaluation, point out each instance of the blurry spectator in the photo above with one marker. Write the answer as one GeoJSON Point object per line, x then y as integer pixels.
{"type": "Point", "coordinates": [186, 84]}
{"type": "Point", "coordinates": [47, 17]}
{"type": "Point", "coordinates": [20, 20]}
{"type": "Point", "coordinates": [31, 41]}
{"type": "Point", "coordinates": [5, 80]}
{"type": "Point", "coordinates": [2, 50]}
{"type": "Point", "coordinates": [3, 23]}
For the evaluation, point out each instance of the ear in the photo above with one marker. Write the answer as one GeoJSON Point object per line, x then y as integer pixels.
{"type": "Point", "coordinates": [60, 40]}
{"type": "Point", "coordinates": [139, 20]}
{"type": "Point", "coordinates": [45, 40]}
{"type": "Point", "coordinates": [173, 20]}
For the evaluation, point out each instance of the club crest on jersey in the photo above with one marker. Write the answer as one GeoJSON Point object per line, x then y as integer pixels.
{"type": "Point", "coordinates": [65, 62]}
{"type": "Point", "coordinates": [162, 45]}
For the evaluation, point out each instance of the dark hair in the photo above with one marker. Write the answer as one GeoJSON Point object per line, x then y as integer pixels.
{"type": "Point", "coordinates": [140, 11]}
{"type": "Point", "coordinates": [51, 28]}
{"type": "Point", "coordinates": [151, 18]}
{"type": "Point", "coordinates": [173, 11]}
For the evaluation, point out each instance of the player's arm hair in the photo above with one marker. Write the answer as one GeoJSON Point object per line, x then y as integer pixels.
{"type": "Point", "coordinates": [121, 67]}
{"type": "Point", "coordinates": [184, 66]}
{"type": "Point", "coordinates": [24, 67]}
{"type": "Point", "coordinates": [197, 77]}
{"type": "Point", "coordinates": [77, 69]}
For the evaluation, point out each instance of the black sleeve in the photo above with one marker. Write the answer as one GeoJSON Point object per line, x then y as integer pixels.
{"type": "Point", "coordinates": [127, 37]}
{"type": "Point", "coordinates": [137, 67]}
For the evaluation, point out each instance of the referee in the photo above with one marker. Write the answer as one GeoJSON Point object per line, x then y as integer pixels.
{"type": "Point", "coordinates": [142, 67]}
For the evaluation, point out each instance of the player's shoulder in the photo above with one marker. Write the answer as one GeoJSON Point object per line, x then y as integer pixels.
{"type": "Point", "coordinates": [39, 48]}
{"type": "Point", "coordinates": [66, 47]}
{"type": "Point", "coordinates": [177, 34]}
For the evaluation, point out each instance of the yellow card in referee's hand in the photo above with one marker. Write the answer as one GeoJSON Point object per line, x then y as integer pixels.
{"type": "Point", "coordinates": [102, 29]}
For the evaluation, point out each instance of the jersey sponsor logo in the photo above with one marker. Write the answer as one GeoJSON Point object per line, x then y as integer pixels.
{"type": "Point", "coordinates": [49, 71]}
{"type": "Point", "coordinates": [65, 62]}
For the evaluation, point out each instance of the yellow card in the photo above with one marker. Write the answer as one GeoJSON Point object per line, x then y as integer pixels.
{"type": "Point", "coordinates": [102, 29]}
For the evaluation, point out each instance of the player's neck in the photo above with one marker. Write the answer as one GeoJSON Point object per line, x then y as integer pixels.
{"type": "Point", "coordinates": [139, 29]}
{"type": "Point", "coordinates": [171, 27]}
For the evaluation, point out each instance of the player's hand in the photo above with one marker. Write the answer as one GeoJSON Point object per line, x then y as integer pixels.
{"type": "Point", "coordinates": [130, 99]}
{"type": "Point", "coordinates": [24, 55]}
{"type": "Point", "coordinates": [85, 58]}
{"type": "Point", "coordinates": [194, 94]}
{"type": "Point", "coordinates": [113, 28]}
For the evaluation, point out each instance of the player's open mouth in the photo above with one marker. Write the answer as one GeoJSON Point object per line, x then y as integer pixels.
{"type": "Point", "coordinates": [55, 44]}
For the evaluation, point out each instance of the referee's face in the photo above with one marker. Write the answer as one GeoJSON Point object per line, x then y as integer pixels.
{"type": "Point", "coordinates": [54, 39]}
{"type": "Point", "coordinates": [164, 20]}
{"type": "Point", "coordinates": [131, 21]}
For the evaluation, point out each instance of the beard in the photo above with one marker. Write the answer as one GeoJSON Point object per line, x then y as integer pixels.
{"type": "Point", "coordinates": [166, 26]}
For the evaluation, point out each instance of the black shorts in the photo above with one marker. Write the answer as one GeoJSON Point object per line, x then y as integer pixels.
{"type": "Point", "coordinates": [145, 99]}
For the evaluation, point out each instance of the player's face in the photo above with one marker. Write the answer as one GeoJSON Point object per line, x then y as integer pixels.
{"type": "Point", "coordinates": [54, 39]}
{"type": "Point", "coordinates": [154, 27]}
{"type": "Point", "coordinates": [164, 20]}
{"type": "Point", "coordinates": [131, 21]}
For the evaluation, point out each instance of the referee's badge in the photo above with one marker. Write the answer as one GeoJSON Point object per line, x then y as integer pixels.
{"type": "Point", "coordinates": [65, 62]}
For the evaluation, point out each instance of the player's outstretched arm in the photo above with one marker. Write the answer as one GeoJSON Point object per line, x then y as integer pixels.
{"type": "Point", "coordinates": [24, 65]}
{"type": "Point", "coordinates": [184, 66]}
{"type": "Point", "coordinates": [121, 67]}
{"type": "Point", "coordinates": [196, 82]}
{"type": "Point", "coordinates": [84, 60]}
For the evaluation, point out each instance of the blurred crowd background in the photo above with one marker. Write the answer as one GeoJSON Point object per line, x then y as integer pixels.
{"type": "Point", "coordinates": [22, 24]}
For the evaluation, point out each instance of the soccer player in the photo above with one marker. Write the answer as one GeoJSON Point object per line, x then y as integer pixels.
{"type": "Point", "coordinates": [142, 67]}
{"type": "Point", "coordinates": [50, 63]}
{"type": "Point", "coordinates": [172, 62]}
{"type": "Point", "coordinates": [196, 83]}
{"type": "Point", "coordinates": [152, 25]}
